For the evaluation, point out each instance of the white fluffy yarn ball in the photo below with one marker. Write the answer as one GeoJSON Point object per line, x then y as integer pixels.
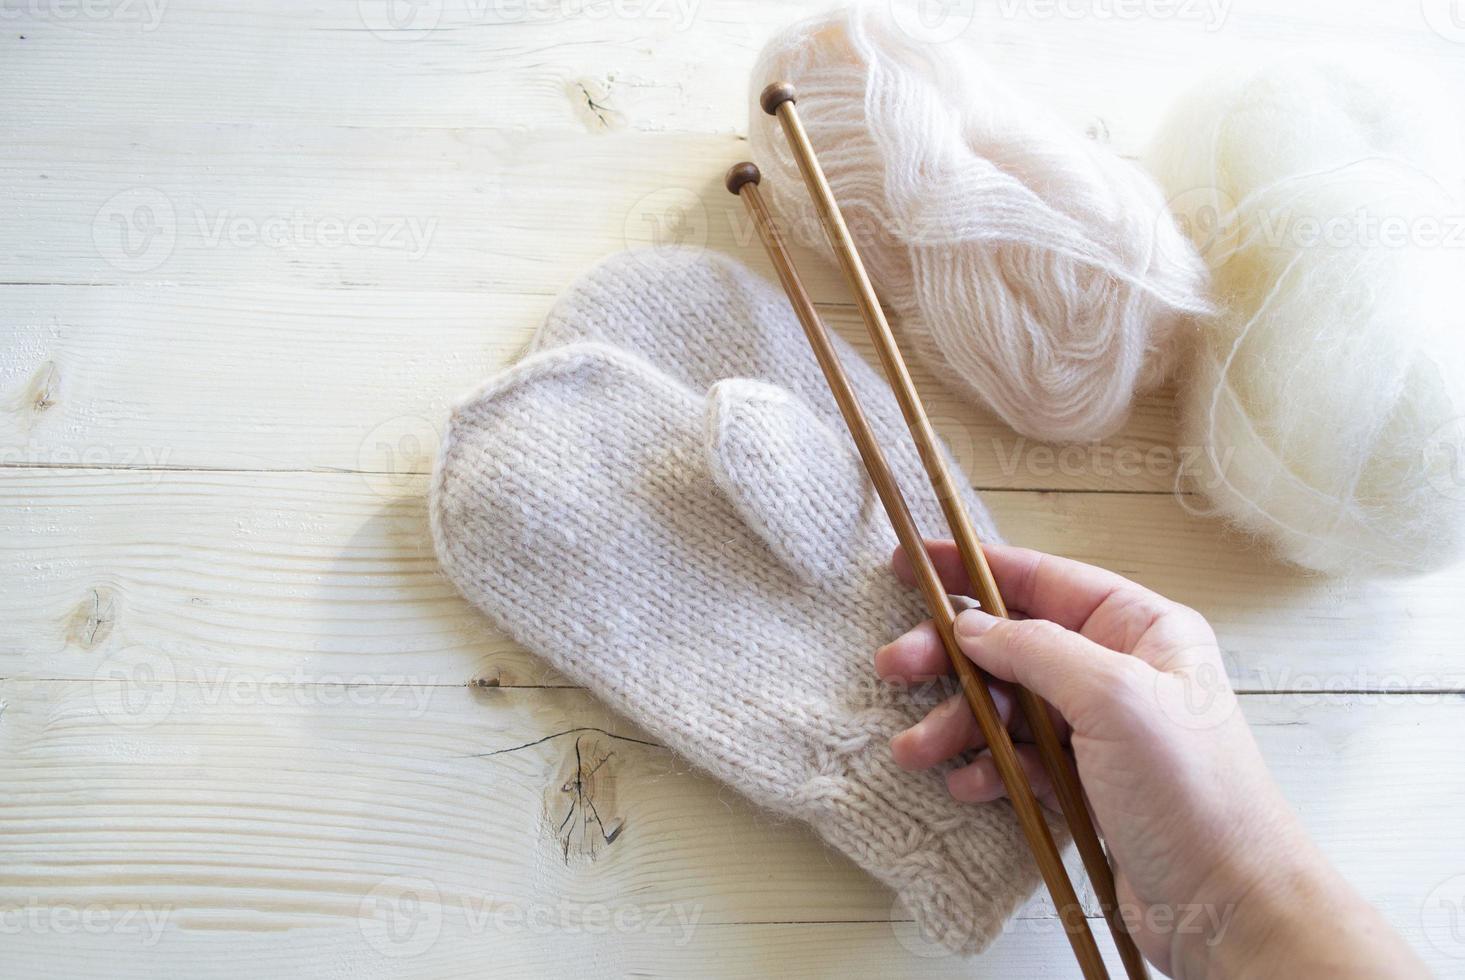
{"type": "Point", "coordinates": [1032, 270]}
{"type": "Point", "coordinates": [1327, 398]}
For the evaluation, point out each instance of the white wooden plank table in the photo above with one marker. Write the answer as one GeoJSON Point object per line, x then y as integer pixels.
{"type": "Point", "coordinates": [250, 254]}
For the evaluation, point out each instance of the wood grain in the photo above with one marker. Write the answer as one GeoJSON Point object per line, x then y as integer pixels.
{"type": "Point", "coordinates": [333, 575]}
{"type": "Point", "coordinates": [273, 818]}
{"type": "Point", "coordinates": [353, 380]}
{"type": "Point", "coordinates": [597, 68]}
{"type": "Point", "coordinates": [252, 252]}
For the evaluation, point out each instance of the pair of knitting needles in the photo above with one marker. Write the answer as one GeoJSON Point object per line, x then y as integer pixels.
{"type": "Point", "coordinates": [778, 100]}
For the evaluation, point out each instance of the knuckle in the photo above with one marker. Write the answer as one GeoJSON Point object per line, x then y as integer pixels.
{"type": "Point", "coordinates": [1186, 617]}
{"type": "Point", "coordinates": [1028, 637]}
{"type": "Point", "coordinates": [1196, 623]}
{"type": "Point", "coordinates": [1127, 675]}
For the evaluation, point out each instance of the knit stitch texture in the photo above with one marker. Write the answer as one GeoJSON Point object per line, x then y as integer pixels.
{"type": "Point", "coordinates": [662, 500]}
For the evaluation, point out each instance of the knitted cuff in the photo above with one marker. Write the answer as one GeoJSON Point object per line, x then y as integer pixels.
{"type": "Point", "coordinates": [960, 870]}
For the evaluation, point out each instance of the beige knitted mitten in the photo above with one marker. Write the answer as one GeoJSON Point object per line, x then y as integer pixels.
{"type": "Point", "coordinates": [679, 523]}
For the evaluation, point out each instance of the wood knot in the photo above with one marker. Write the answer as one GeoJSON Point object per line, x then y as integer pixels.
{"type": "Point", "coordinates": [580, 803]}
{"type": "Point", "coordinates": [41, 391]}
{"type": "Point", "coordinates": [91, 622]}
{"type": "Point", "coordinates": [590, 99]}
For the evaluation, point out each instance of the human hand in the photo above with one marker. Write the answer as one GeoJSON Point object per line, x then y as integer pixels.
{"type": "Point", "coordinates": [1214, 872]}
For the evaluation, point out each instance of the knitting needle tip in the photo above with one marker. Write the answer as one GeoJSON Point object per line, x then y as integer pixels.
{"type": "Point", "coordinates": [776, 95]}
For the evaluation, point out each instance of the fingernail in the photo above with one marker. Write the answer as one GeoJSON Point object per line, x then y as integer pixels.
{"type": "Point", "coordinates": [973, 623]}
{"type": "Point", "coordinates": [971, 784]}
{"type": "Point", "coordinates": [882, 656]}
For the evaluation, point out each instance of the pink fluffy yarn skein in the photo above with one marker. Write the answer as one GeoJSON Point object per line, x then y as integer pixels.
{"type": "Point", "coordinates": [1032, 270]}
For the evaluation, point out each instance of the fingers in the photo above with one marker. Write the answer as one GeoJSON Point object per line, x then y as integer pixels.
{"type": "Point", "coordinates": [1069, 671]}
{"type": "Point", "coordinates": [1042, 586]}
{"type": "Point", "coordinates": [947, 731]}
{"type": "Point", "coordinates": [914, 658]}
{"type": "Point", "coordinates": [1058, 665]}
{"type": "Point", "coordinates": [948, 566]}
{"type": "Point", "coordinates": [979, 781]}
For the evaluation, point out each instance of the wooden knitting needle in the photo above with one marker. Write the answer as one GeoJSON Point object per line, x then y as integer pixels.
{"type": "Point", "coordinates": [778, 100]}
{"type": "Point", "coordinates": [742, 180]}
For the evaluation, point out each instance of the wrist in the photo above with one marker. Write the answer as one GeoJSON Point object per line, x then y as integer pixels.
{"type": "Point", "coordinates": [1271, 922]}
{"type": "Point", "coordinates": [1295, 917]}
{"type": "Point", "coordinates": [1257, 890]}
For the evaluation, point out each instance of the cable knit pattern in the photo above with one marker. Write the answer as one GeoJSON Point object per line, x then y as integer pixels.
{"type": "Point", "coordinates": [662, 500]}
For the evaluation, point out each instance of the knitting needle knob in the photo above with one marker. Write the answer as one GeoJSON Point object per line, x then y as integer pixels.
{"type": "Point", "coordinates": [742, 173]}
{"type": "Point", "coordinates": [776, 95]}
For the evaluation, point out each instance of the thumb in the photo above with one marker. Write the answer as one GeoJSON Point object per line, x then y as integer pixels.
{"type": "Point", "coordinates": [1069, 671]}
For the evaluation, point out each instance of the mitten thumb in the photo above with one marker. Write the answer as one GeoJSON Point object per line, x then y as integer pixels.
{"type": "Point", "coordinates": [793, 480]}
